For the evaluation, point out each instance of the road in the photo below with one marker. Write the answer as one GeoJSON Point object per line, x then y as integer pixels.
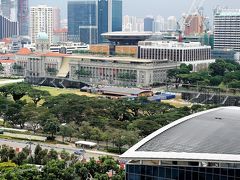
{"type": "Point", "coordinates": [58, 147]}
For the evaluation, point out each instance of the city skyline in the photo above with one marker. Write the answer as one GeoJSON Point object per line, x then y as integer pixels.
{"type": "Point", "coordinates": [152, 7]}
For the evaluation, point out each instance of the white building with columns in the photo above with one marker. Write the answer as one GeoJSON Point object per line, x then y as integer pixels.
{"type": "Point", "coordinates": [189, 53]}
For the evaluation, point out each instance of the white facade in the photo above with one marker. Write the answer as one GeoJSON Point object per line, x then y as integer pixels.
{"type": "Point", "coordinates": [227, 29]}
{"type": "Point", "coordinates": [159, 24]}
{"type": "Point", "coordinates": [172, 23]}
{"type": "Point", "coordinates": [41, 20]}
{"type": "Point", "coordinates": [133, 24]}
{"type": "Point", "coordinates": [189, 53]}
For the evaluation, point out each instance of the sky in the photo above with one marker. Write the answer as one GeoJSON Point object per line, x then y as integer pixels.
{"type": "Point", "coordinates": [142, 8]}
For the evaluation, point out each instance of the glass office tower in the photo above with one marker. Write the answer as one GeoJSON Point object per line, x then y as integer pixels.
{"type": "Point", "coordinates": [82, 22]}
{"type": "Point", "coordinates": [116, 15]}
{"type": "Point", "coordinates": [103, 19]}
{"type": "Point", "coordinates": [88, 19]}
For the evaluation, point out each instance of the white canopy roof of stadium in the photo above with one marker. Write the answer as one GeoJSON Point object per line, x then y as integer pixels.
{"type": "Point", "coordinates": [212, 135]}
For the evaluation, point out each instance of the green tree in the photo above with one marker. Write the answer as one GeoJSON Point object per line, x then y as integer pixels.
{"type": "Point", "coordinates": [85, 131]}
{"type": "Point", "coordinates": [17, 90]}
{"type": "Point", "coordinates": [145, 127]}
{"type": "Point", "coordinates": [21, 158]}
{"type": "Point", "coordinates": [13, 114]}
{"type": "Point", "coordinates": [53, 170]}
{"type": "Point", "coordinates": [96, 134]}
{"type": "Point", "coordinates": [66, 131]}
{"type": "Point", "coordinates": [65, 155]}
{"type": "Point", "coordinates": [217, 68]}
{"type": "Point", "coordinates": [119, 139]}
{"type": "Point", "coordinates": [33, 115]}
{"type": "Point", "coordinates": [37, 95]}
{"type": "Point", "coordinates": [40, 155]}
{"type": "Point", "coordinates": [52, 155]}
{"type": "Point", "coordinates": [51, 126]}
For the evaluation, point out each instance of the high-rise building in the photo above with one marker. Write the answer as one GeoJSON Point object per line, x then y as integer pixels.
{"type": "Point", "coordinates": [88, 19]}
{"type": "Point", "coordinates": [194, 25]}
{"type": "Point", "coordinates": [159, 24]}
{"type": "Point", "coordinates": [41, 20]}
{"type": "Point", "coordinates": [8, 28]}
{"type": "Point", "coordinates": [133, 24]}
{"type": "Point", "coordinates": [226, 29]}
{"type": "Point", "coordinates": [148, 23]}
{"type": "Point", "coordinates": [116, 10]}
{"type": "Point", "coordinates": [14, 7]}
{"type": "Point", "coordinates": [57, 18]}
{"type": "Point", "coordinates": [6, 8]}
{"type": "Point", "coordinates": [23, 17]}
{"type": "Point", "coordinates": [172, 23]}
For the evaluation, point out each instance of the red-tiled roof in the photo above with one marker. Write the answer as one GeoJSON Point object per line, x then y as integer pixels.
{"type": "Point", "coordinates": [24, 51]}
{"type": "Point", "coordinates": [7, 61]}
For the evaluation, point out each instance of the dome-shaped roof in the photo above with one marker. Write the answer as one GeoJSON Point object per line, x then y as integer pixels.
{"type": "Point", "coordinates": [42, 36]}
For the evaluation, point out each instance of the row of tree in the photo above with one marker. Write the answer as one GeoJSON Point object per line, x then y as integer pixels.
{"type": "Point", "coordinates": [120, 122]}
{"type": "Point", "coordinates": [225, 73]}
{"type": "Point", "coordinates": [62, 166]}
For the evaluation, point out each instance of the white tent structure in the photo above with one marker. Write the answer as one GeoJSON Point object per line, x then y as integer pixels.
{"type": "Point", "coordinates": [85, 144]}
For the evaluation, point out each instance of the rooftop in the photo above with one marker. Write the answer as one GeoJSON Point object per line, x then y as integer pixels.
{"type": "Point", "coordinates": [109, 58]}
{"type": "Point", "coordinates": [211, 135]}
{"type": "Point", "coordinates": [122, 90]}
{"type": "Point", "coordinates": [227, 12]}
{"type": "Point", "coordinates": [24, 51]}
{"type": "Point", "coordinates": [129, 38]}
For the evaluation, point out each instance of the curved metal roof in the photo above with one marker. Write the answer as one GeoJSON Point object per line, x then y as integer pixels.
{"type": "Point", "coordinates": [211, 135]}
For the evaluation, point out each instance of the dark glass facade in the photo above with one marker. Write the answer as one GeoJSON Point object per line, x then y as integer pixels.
{"type": "Point", "coordinates": [81, 19]}
{"type": "Point", "coordinates": [145, 172]}
{"type": "Point", "coordinates": [116, 15]}
{"type": "Point", "coordinates": [93, 16]}
{"type": "Point", "coordinates": [8, 28]}
{"type": "Point", "coordinates": [102, 19]}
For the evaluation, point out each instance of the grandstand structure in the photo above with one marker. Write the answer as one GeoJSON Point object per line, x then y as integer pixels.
{"type": "Point", "coordinates": [211, 95]}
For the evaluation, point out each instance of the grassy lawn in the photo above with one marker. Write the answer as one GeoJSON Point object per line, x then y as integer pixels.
{"type": "Point", "coordinates": [57, 91]}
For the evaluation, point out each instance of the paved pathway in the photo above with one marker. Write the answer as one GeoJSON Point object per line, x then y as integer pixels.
{"type": "Point", "coordinates": [9, 81]}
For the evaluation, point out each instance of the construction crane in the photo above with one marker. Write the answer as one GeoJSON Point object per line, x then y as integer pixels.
{"type": "Point", "coordinates": [187, 18]}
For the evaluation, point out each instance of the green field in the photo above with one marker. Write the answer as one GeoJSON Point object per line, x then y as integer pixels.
{"type": "Point", "coordinates": [57, 91]}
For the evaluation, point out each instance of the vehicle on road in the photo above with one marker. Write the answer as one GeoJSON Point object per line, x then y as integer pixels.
{"type": "Point", "coordinates": [80, 152]}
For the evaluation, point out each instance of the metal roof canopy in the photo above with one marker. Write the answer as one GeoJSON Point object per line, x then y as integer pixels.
{"type": "Point", "coordinates": [210, 135]}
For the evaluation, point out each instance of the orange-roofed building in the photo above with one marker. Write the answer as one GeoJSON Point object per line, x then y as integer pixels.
{"type": "Point", "coordinates": [38, 64]}
{"type": "Point", "coordinates": [24, 51]}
